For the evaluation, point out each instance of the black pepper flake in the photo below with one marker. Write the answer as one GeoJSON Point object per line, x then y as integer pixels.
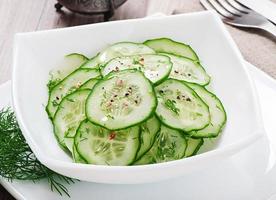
{"type": "Point", "coordinates": [102, 88]}
{"type": "Point", "coordinates": [175, 71]}
{"type": "Point", "coordinates": [178, 97]}
{"type": "Point", "coordinates": [188, 99]}
{"type": "Point", "coordinates": [115, 95]}
{"type": "Point", "coordinates": [57, 98]}
{"type": "Point", "coordinates": [189, 74]}
{"type": "Point", "coordinates": [136, 101]}
{"type": "Point", "coordinates": [126, 94]}
{"type": "Point", "coordinates": [111, 100]}
{"type": "Point", "coordinates": [161, 91]}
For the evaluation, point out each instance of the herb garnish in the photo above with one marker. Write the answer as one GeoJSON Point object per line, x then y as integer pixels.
{"type": "Point", "coordinates": [52, 82]}
{"type": "Point", "coordinates": [170, 104]}
{"type": "Point", "coordinates": [17, 161]}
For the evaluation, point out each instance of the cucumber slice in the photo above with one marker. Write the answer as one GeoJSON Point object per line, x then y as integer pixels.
{"type": "Point", "coordinates": [121, 100]}
{"type": "Point", "coordinates": [166, 45]}
{"type": "Point", "coordinates": [70, 113]}
{"type": "Point", "coordinates": [90, 83]}
{"type": "Point", "coordinates": [69, 64]}
{"type": "Point", "coordinates": [101, 146]}
{"type": "Point", "coordinates": [217, 113]}
{"type": "Point", "coordinates": [92, 63]}
{"type": "Point", "coordinates": [77, 157]}
{"type": "Point", "coordinates": [149, 130]}
{"type": "Point", "coordinates": [155, 67]}
{"type": "Point", "coordinates": [193, 145]}
{"type": "Point", "coordinates": [69, 143]}
{"type": "Point", "coordinates": [188, 70]}
{"type": "Point", "coordinates": [68, 85]}
{"type": "Point", "coordinates": [123, 49]}
{"type": "Point", "coordinates": [180, 107]}
{"type": "Point", "coordinates": [169, 145]}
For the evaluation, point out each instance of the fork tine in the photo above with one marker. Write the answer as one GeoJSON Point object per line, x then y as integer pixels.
{"type": "Point", "coordinates": [229, 8]}
{"type": "Point", "coordinates": [238, 6]}
{"type": "Point", "coordinates": [220, 9]}
{"type": "Point", "coordinates": [208, 6]}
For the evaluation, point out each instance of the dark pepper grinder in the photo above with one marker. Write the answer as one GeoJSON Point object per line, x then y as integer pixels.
{"type": "Point", "coordinates": [91, 7]}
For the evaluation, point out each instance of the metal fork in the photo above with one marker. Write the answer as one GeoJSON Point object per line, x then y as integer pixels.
{"type": "Point", "coordinates": [236, 14]}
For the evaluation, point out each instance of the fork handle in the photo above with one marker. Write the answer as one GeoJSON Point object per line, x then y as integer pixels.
{"type": "Point", "coordinates": [269, 27]}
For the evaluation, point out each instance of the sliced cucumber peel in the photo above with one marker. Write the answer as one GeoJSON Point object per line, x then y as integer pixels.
{"type": "Point", "coordinates": [217, 114]}
{"type": "Point", "coordinates": [121, 100]}
{"type": "Point", "coordinates": [180, 107]}
{"type": "Point", "coordinates": [101, 146]}
{"type": "Point", "coordinates": [155, 67]}
{"type": "Point", "coordinates": [188, 70]}
{"type": "Point", "coordinates": [169, 145]}
{"type": "Point", "coordinates": [166, 45]}
{"type": "Point", "coordinates": [70, 113]}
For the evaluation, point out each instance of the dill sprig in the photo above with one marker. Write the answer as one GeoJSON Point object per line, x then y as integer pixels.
{"type": "Point", "coordinates": [170, 104]}
{"type": "Point", "coordinates": [17, 161]}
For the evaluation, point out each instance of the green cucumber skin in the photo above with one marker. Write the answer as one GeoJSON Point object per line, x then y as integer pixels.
{"type": "Point", "coordinates": [155, 135]}
{"type": "Point", "coordinates": [156, 83]}
{"type": "Point", "coordinates": [64, 98]}
{"type": "Point", "coordinates": [185, 133]}
{"type": "Point", "coordinates": [195, 57]}
{"type": "Point", "coordinates": [84, 159]}
{"type": "Point", "coordinates": [181, 157]}
{"type": "Point", "coordinates": [84, 59]}
{"type": "Point", "coordinates": [195, 150]}
{"type": "Point", "coordinates": [198, 147]}
{"type": "Point", "coordinates": [84, 65]}
{"type": "Point", "coordinates": [149, 116]}
{"type": "Point", "coordinates": [118, 43]}
{"type": "Point", "coordinates": [75, 143]}
{"type": "Point", "coordinates": [195, 94]}
{"type": "Point", "coordinates": [77, 158]}
{"type": "Point", "coordinates": [92, 79]}
{"type": "Point", "coordinates": [197, 63]}
{"type": "Point", "coordinates": [77, 54]}
{"type": "Point", "coordinates": [50, 115]}
{"type": "Point", "coordinates": [213, 134]}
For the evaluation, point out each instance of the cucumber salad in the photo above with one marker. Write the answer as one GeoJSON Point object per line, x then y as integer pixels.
{"type": "Point", "coordinates": [133, 104]}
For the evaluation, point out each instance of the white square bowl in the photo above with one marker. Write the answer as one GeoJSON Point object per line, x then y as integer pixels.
{"type": "Point", "coordinates": [36, 53]}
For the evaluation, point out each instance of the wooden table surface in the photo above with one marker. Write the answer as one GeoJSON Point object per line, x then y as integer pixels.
{"type": "Point", "coordinates": [257, 47]}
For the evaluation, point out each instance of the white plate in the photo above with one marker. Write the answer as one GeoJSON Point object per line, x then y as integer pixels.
{"type": "Point", "coordinates": [35, 55]}
{"type": "Point", "coordinates": [251, 174]}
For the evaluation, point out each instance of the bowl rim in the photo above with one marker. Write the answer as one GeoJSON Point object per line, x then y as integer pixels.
{"type": "Point", "coordinates": [228, 150]}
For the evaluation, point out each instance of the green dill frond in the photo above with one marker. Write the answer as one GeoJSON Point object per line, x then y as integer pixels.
{"type": "Point", "coordinates": [17, 161]}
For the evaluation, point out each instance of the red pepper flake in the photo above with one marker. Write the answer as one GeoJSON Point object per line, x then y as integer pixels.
{"type": "Point", "coordinates": [112, 135]}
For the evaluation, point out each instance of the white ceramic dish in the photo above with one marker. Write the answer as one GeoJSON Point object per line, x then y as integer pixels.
{"type": "Point", "coordinates": [250, 174]}
{"type": "Point", "coordinates": [35, 54]}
